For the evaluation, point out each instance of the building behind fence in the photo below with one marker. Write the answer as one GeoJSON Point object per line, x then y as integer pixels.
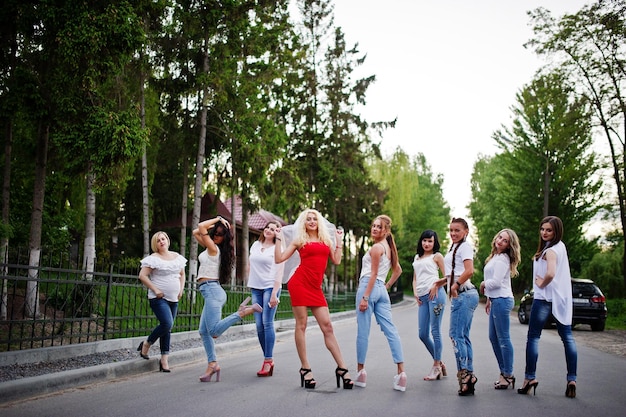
{"type": "Point", "coordinates": [73, 307]}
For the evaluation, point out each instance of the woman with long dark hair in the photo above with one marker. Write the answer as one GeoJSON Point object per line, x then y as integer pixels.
{"type": "Point", "coordinates": [552, 287]}
{"type": "Point", "coordinates": [265, 281]}
{"type": "Point", "coordinates": [216, 265]}
{"type": "Point", "coordinates": [431, 298]}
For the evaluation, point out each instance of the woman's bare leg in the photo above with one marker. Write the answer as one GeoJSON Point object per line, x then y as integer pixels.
{"type": "Point", "coordinates": [322, 315]}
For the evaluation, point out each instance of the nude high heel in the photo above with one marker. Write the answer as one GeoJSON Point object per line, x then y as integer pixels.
{"type": "Point", "coordinates": [435, 373]}
{"type": "Point", "coordinates": [213, 369]}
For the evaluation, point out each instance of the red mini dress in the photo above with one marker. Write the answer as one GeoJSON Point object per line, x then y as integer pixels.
{"type": "Point", "coordinates": [305, 286]}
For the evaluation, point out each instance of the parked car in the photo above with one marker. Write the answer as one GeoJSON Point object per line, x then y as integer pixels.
{"type": "Point", "coordinates": [589, 305]}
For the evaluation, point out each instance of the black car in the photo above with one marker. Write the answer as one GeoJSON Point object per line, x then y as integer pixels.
{"type": "Point", "coordinates": [589, 305]}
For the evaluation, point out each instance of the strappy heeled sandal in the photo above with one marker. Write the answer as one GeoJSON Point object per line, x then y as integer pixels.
{"type": "Point", "coordinates": [306, 383]}
{"type": "Point", "coordinates": [510, 382]}
{"type": "Point", "coordinates": [340, 373]}
{"type": "Point", "coordinates": [467, 382]}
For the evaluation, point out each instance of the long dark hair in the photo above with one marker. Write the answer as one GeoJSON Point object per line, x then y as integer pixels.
{"type": "Point", "coordinates": [227, 250]}
{"type": "Point", "coordinates": [427, 234]}
{"type": "Point", "coordinates": [557, 227]}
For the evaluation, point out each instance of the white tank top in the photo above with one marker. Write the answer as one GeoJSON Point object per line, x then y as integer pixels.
{"type": "Point", "coordinates": [383, 267]}
{"type": "Point", "coordinates": [209, 265]}
{"type": "Point", "coordinates": [426, 273]}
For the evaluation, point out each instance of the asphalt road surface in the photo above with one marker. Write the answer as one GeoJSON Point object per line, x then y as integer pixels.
{"type": "Point", "coordinates": [242, 393]}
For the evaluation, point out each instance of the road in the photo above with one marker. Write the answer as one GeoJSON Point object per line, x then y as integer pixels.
{"type": "Point", "coordinates": [242, 393]}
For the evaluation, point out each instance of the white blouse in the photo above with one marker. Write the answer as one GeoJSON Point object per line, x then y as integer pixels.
{"type": "Point", "coordinates": [559, 290]}
{"type": "Point", "coordinates": [426, 273]}
{"type": "Point", "coordinates": [497, 274]}
{"type": "Point", "coordinates": [263, 270]}
{"type": "Point", "coordinates": [165, 275]}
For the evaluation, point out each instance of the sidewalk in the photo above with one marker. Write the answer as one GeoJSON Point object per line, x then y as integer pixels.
{"type": "Point", "coordinates": [242, 338]}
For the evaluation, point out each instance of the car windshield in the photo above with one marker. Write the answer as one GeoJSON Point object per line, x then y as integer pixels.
{"type": "Point", "coordinates": [584, 290]}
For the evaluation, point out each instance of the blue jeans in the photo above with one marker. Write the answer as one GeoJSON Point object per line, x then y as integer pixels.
{"type": "Point", "coordinates": [539, 314]}
{"type": "Point", "coordinates": [429, 316]}
{"type": "Point", "coordinates": [165, 312]}
{"type": "Point", "coordinates": [265, 320]}
{"type": "Point", "coordinates": [461, 314]}
{"type": "Point", "coordinates": [499, 333]}
{"type": "Point", "coordinates": [210, 324]}
{"type": "Point", "coordinates": [380, 306]}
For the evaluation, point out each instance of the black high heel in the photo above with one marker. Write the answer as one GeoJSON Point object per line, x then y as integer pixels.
{"type": "Point", "coordinates": [467, 380]}
{"type": "Point", "coordinates": [340, 373]}
{"type": "Point", "coordinates": [306, 383]}
{"type": "Point", "coordinates": [527, 386]}
{"type": "Point", "coordinates": [510, 382]}
{"type": "Point", "coordinates": [570, 391]}
{"type": "Point", "coordinates": [139, 349]}
{"type": "Point", "coordinates": [162, 369]}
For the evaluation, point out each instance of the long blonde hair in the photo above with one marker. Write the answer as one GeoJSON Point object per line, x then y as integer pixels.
{"type": "Point", "coordinates": [301, 237]}
{"type": "Point", "coordinates": [514, 251]}
{"type": "Point", "coordinates": [386, 221]}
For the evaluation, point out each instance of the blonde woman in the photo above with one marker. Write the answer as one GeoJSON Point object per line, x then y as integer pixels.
{"type": "Point", "coordinates": [313, 242]}
{"type": "Point", "coordinates": [163, 273]}
{"type": "Point", "coordinates": [372, 298]}
{"type": "Point", "coordinates": [500, 267]}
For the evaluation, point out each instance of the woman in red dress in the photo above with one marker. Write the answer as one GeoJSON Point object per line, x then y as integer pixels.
{"type": "Point", "coordinates": [314, 244]}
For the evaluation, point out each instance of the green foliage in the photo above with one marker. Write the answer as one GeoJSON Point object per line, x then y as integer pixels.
{"type": "Point", "coordinates": [605, 268]}
{"type": "Point", "coordinates": [588, 46]}
{"type": "Point", "coordinates": [546, 166]}
{"type": "Point", "coordinates": [616, 318]}
{"type": "Point", "coordinates": [416, 198]}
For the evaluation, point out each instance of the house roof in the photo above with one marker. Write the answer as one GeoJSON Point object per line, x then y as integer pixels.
{"type": "Point", "coordinates": [256, 220]}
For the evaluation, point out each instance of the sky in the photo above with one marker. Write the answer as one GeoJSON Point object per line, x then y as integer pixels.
{"type": "Point", "coordinates": [448, 70]}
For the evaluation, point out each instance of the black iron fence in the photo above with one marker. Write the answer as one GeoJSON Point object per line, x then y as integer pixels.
{"type": "Point", "coordinates": [55, 306]}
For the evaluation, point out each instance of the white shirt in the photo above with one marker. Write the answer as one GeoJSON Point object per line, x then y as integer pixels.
{"type": "Point", "coordinates": [165, 275]}
{"type": "Point", "coordinates": [497, 274]}
{"type": "Point", "coordinates": [383, 267]}
{"type": "Point", "coordinates": [263, 270]}
{"type": "Point", "coordinates": [559, 290]}
{"type": "Point", "coordinates": [426, 273]}
{"type": "Point", "coordinates": [209, 265]}
{"type": "Point", "coordinates": [465, 252]}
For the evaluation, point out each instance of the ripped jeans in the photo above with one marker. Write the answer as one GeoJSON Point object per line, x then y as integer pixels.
{"type": "Point", "coordinates": [461, 314]}
{"type": "Point", "coordinates": [429, 315]}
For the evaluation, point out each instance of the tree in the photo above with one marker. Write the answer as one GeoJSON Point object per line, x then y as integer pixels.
{"type": "Point", "coordinates": [414, 201]}
{"type": "Point", "coordinates": [590, 46]}
{"type": "Point", "coordinates": [546, 156]}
